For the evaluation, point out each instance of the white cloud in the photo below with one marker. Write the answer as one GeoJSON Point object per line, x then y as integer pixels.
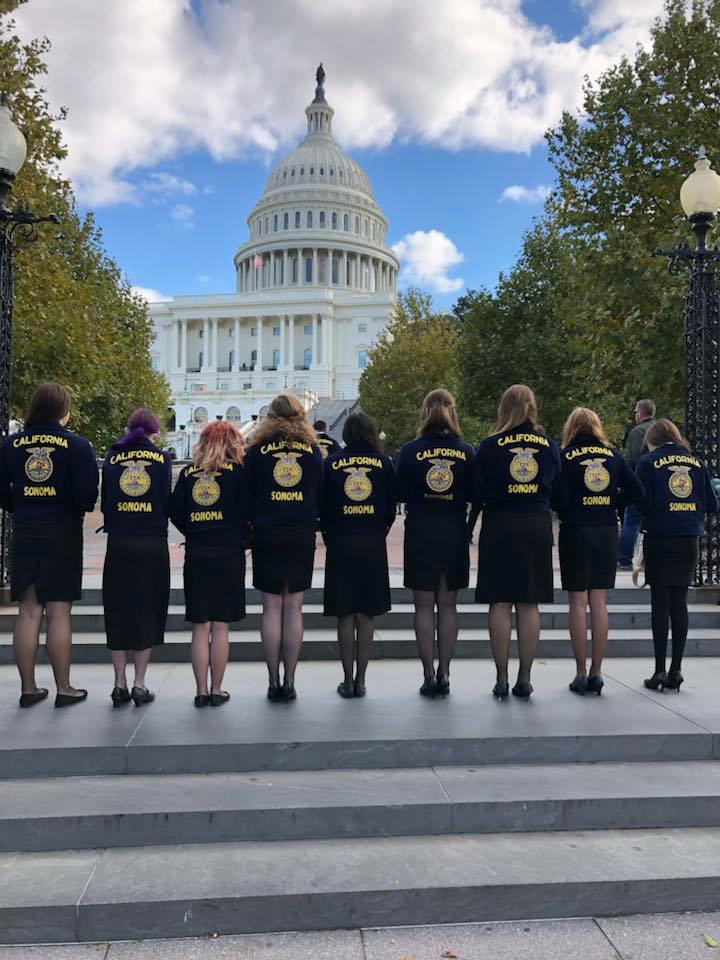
{"type": "Point", "coordinates": [521, 194]}
{"type": "Point", "coordinates": [152, 296]}
{"type": "Point", "coordinates": [426, 257]}
{"type": "Point", "coordinates": [203, 278]}
{"type": "Point", "coordinates": [167, 184]}
{"type": "Point", "coordinates": [182, 214]}
{"type": "Point", "coordinates": [145, 80]}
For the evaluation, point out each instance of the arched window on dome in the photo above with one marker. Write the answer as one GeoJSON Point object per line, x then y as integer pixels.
{"type": "Point", "coordinates": [284, 174]}
{"type": "Point", "coordinates": [258, 228]}
{"type": "Point", "coordinates": [309, 219]}
{"type": "Point", "coordinates": [286, 220]}
{"type": "Point", "coordinates": [335, 270]}
{"type": "Point", "coordinates": [292, 172]}
{"type": "Point", "coordinates": [341, 174]}
{"type": "Point", "coordinates": [365, 227]}
{"type": "Point", "coordinates": [372, 229]}
{"type": "Point", "coordinates": [307, 359]}
{"type": "Point", "coordinates": [346, 223]}
{"type": "Point", "coordinates": [275, 223]}
{"type": "Point", "coordinates": [334, 221]}
{"type": "Point", "coordinates": [332, 171]}
{"type": "Point", "coordinates": [322, 171]}
{"type": "Point", "coordinates": [295, 270]}
{"type": "Point", "coordinates": [308, 270]}
{"type": "Point", "coordinates": [297, 219]}
{"type": "Point", "coordinates": [321, 270]}
{"type": "Point", "coordinates": [302, 171]}
{"type": "Point", "coordinates": [312, 171]}
{"type": "Point", "coordinates": [357, 224]}
{"type": "Point", "coordinates": [267, 224]}
{"type": "Point", "coordinates": [322, 218]}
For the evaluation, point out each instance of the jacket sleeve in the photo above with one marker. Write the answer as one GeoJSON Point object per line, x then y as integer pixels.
{"type": "Point", "coordinates": [178, 514]}
{"type": "Point", "coordinates": [390, 494]}
{"type": "Point", "coordinates": [320, 490]}
{"type": "Point", "coordinates": [84, 475]}
{"type": "Point", "coordinates": [469, 476]}
{"type": "Point", "coordinates": [644, 475]}
{"type": "Point", "coordinates": [630, 484]}
{"type": "Point", "coordinates": [711, 500]}
{"type": "Point", "coordinates": [402, 476]}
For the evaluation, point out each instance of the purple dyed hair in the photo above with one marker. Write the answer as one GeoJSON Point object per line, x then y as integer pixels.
{"type": "Point", "coordinates": [141, 423]}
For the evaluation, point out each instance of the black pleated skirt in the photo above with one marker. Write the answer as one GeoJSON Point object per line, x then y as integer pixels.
{"type": "Point", "coordinates": [136, 591]}
{"type": "Point", "coordinates": [214, 579]}
{"type": "Point", "coordinates": [283, 557]}
{"type": "Point", "coordinates": [515, 558]}
{"type": "Point", "coordinates": [433, 548]}
{"type": "Point", "coordinates": [588, 557]}
{"type": "Point", "coordinates": [356, 574]}
{"type": "Point", "coordinates": [670, 561]}
{"type": "Point", "coordinates": [48, 554]}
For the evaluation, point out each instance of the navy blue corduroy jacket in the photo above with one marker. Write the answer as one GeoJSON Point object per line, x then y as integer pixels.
{"type": "Point", "coordinates": [285, 481]}
{"type": "Point", "coordinates": [593, 476]}
{"type": "Point", "coordinates": [359, 491]}
{"type": "Point", "coordinates": [678, 492]}
{"type": "Point", "coordinates": [136, 484]}
{"type": "Point", "coordinates": [517, 471]}
{"type": "Point", "coordinates": [212, 507]}
{"type": "Point", "coordinates": [434, 475]}
{"type": "Point", "coordinates": [328, 446]}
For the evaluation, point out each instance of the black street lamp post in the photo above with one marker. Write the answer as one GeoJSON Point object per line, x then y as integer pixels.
{"type": "Point", "coordinates": [700, 199]}
{"type": "Point", "coordinates": [18, 225]}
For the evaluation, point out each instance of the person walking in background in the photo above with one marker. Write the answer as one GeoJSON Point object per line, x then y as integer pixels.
{"type": "Point", "coordinates": [284, 470]}
{"type": "Point", "coordinates": [136, 483]}
{"type": "Point", "coordinates": [327, 445]}
{"type": "Point", "coordinates": [210, 507]}
{"type": "Point", "coordinates": [678, 495]}
{"type": "Point", "coordinates": [434, 480]}
{"type": "Point", "coordinates": [517, 476]}
{"type": "Point", "coordinates": [593, 476]}
{"type": "Point", "coordinates": [634, 449]}
{"type": "Point", "coordinates": [48, 481]}
{"type": "Point", "coordinates": [358, 509]}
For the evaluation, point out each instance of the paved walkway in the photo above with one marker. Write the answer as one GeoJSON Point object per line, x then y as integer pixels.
{"type": "Point", "coordinates": [652, 937]}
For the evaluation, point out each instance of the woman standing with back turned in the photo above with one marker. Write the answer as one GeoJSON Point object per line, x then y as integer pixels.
{"type": "Point", "coordinates": [48, 480]}
{"type": "Point", "coordinates": [136, 482]}
{"type": "Point", "coordinates": [434, 480]}
{"type": "Point", "coordinates": [678, 495]}
{"type": "Point", "coordinates": [517, 474]}
{"type": "Point", "coordinates": [593, 475]}
{"type": "Point", "coordinates": [284, 470]}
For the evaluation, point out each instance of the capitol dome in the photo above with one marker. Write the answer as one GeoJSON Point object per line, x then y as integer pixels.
{"type": "Point", "coordinates": [317, 222]}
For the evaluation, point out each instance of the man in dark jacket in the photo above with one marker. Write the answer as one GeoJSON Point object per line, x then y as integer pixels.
{"type": "Point", "coordinates": [634, 444]}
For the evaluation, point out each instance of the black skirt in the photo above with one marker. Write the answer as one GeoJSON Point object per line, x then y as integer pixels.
{"type": "Point", "coordinates": [136, 591]}
{"type": "Point", "coordinates": [283, 558]}
{"type": "Point", "coordinates": [515, 558]}
{"type": "Point", "coordinates": [588, 557]}
{"type": "Point", "coordinates": [433, 548]}
{"type": "Point", "coordinates": [214, 579]}
{"type": "Point", "coordinates": [356, 574]}
{"type": "Point", "coordinates": [48, 554]}
{"type": "Point", "coordinates": [670, 561]}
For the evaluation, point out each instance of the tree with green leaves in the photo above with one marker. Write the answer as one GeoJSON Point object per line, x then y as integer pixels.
{"type": "Point", "coordinates": [76, 319]}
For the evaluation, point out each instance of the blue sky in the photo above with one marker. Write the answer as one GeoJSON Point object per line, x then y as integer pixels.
{"type": "Point", "coordinates": [190, 104]}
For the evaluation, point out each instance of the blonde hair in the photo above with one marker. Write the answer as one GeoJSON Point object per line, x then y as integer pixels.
{"type": "Point", "coordinates": [438, 414]}
{"type": "Point", "coordinates": [286, 420]}
{"type": "Point", "coordinates": [517, 405]}
{"type": "Point", "coordinates": [583, 420]}
{"type": "Point", "coordinates": [220, 442]}
{"type": "Point", "coordinates": [665, 431]}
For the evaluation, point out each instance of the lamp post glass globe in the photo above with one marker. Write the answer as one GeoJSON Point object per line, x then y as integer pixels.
{"type": "Point", "coordinates": [13, 148]}
{"type": "Point", "coordinates": [700, 193]}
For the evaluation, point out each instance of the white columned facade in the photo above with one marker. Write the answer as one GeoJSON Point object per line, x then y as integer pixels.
{"type": "Point", "coordinates": [291, 341]}
{"type": "Point", "coordinates": [183, 346]}
{"type": "Point", "coordinates": [285, 268]}
{"type": "Point", "coordinates": [314, 361]}
{"type": "Point", "coordinates": [213, 354]}
{"type": "Point", "coordinates": [345, 273]}
{"type": "Point", "coordinates": [259, 348]}
{"type": "Point", "coordinates": [236, 345]}
{"type": "Point", "coordinates": [325, 326]}
{"type": "Point", "coordinates": [205, 339]}
{"type": "Point", "coordinates": [314, 266]}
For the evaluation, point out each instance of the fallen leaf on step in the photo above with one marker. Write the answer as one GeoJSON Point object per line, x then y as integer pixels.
{"type": "Point", "coordinates": [408, 956]}
{"type": "Point", "coordinates": [709, 941]}
{"type": "Point", "coordinates": [449, 954]}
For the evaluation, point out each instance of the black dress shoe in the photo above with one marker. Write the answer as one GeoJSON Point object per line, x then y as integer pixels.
{"type": "Point", "coordinates": [69, 699]}
{"type": "Point", "coordinates": [141, 696]}
{"type": "Point", "coordinates": [579, 685]}
{"type": "Point", "coordinates": [595, 684]}
{"type": "Point", "coordinates": [346, 689]}
{"type": "Point", "coordinates": [428, 688]}
{"type": "Point", "coordinates": [442, 685]}
{"type": "Point", "coordinates": [501, 690]}
{"type": "Point", "coordinates": [120, 696]}
{"type": "Point", "coordinates": [202, 700]}
{"type": "Point", "coordinates": [218, 699]}
{"type": "Point", "coordinates": [655, 681]}
{"type": "Point", "coordinates": [274, 693]}
{"type": "Point", "coordinates": [674, 680]}
{"type": "Point", "coordinates": [522, 689]}
{"type": "Point", "coordinates": [288, 691]}
{"type": "Point", "coordinates": [359, 688]}
{"type": "Point", "coordinates": [35, 696]}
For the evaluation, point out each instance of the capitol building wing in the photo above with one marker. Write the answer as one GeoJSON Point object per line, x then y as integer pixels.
{"type": "Point", "coordinates": [315, 283]}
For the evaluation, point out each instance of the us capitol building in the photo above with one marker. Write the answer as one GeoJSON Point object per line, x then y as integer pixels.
{"type": "Point", "coordinates": [315, 285]}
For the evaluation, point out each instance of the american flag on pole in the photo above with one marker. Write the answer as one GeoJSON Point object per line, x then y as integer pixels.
{"type": "Point", "coordinates": [258, 262]}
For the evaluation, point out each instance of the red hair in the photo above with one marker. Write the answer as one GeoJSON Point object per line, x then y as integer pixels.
{"type": "Point", "coordinates": [220, 442]}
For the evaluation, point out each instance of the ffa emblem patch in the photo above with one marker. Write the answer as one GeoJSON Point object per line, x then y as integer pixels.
{"type": "Point", "coordinates": [358, 485]}
{"type": "Point", "coordinates": [596, 478]}
{"type": "Point", "coordinates": [135, 480]}
{"type": "Point", "coordinates": [523, 466]}
{"type": "Point", "coordinates": [39, 466]}
{"type": "Point", "coordinates": [206, 490]}
{"type": "Point", "coordinates": [324, 451]}
{"type": "Point", "coordinates": [680, 482]}
{"type": "Point", "coordinates": [287, 472]}
{"type": "Point", "coordinates": [440, 476]}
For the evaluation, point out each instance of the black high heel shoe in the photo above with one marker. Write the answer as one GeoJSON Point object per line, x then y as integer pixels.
{"type": "Point", "coordinates": [346, 690]}
{"type": "Point", "coordinates": [674, 680]}
{"type": "Point", "coordinates": [595, 684]}
{"type": "Point", "coordinates": [579, 685]}
{"type": "Point", "coordinates": [522, 689]}
{"type": "Point", "coordinates": [428, 687]}
{"type": "Point", "coordinates": [442, 685]}
{"type": "Point", "coordinates": [288, 691]}
{"type": "Point", "coordinates": [141, 696]}
{"type": "Point", "coordinates": [359, 688]}
{"type": "Point", "coordinates": [273, 691]}
{"type": "Point", "coordinates": [120, 696]}
{"type": "Point", "coordinates": [655, 681]}
{"type": "Point", "coordinates": [501, 690]}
